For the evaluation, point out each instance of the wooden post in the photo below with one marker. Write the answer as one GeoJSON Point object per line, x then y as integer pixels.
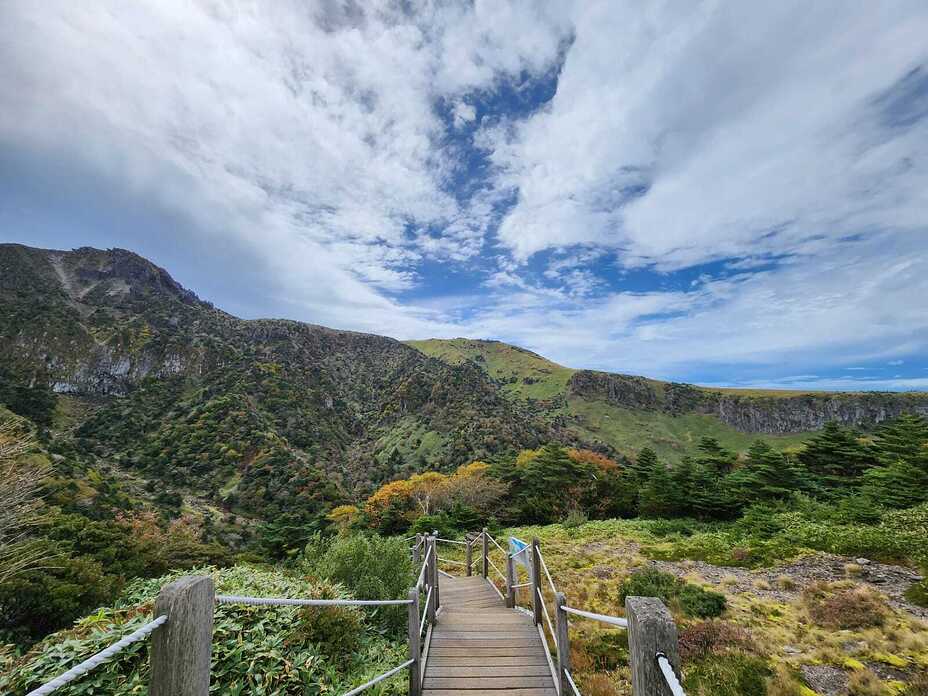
{"type": "Point", "coordinates": [510, 581]}
{"type": "Point", "coordinates": [433, 578]}
{"type": "Point", "coordinates": [486, 551]}
{"type": "Point", "coordinates": [536, 580]}
{"type": "Point", "coordinates": [181, 648]}
{"type": "Point", "coordinates": [414, 684]}
{"type": "Point", "coordinates": [650, 630]}
{"type": "Point", "coordinates": [468, 557]}
{"type": "Point", "coordinates": [416, 551]}
{"type": "Point", "coordinates": [562, 641]}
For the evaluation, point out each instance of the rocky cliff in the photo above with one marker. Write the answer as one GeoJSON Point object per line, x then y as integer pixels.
{"type": "Point", "coordinates": [772, 414]}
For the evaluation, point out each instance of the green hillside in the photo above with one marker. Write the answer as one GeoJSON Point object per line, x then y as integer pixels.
{"type": "Point", "coordinates": [521, 373]}
{"type": "Point", "coordinates": [527, 376]}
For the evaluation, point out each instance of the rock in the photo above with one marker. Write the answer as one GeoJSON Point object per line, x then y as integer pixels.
{"type": "Point", "coordinates": [791, 650]}
{"type": "Point", "coordinates": [862, 561]}
{"type": "Point", "coordinates": [825, 680]}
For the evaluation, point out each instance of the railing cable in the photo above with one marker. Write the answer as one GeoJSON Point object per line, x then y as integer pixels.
{"type": "Point", "coordinates": [99, 658]}
{"type": "Point", "coordinates": [669, 675]}
{"type": "Point", "coordinates": [376, 680]}
{"type": "Point", "coordinates": [284, 602]}
{"type": "Point", "coordinates": [614, 620]}
{"type": "Point", "coordinates": [571, 680]}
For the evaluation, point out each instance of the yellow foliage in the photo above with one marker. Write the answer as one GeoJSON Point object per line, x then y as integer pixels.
{"type": "Point", "coordinates": [343, 515]}
{"type": "Point", "coordinates": [526, 457]}
{"type": "Point", "coordinates": [584, 456]}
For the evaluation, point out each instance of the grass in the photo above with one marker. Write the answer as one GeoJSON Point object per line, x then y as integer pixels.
{"type": "Point", "coordinates": [760, 642]}
{"type": "Point", "coordinates": [523, 374]}
{"type": "Point", "coordinates": [671, 437]}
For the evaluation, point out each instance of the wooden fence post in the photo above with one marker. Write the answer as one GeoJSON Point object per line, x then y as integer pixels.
{"type": "Point", "coordinates": [181, 648]}
{"type": "Point", "coordinates": [650, 630]}
{"type": "Point", "coordinates": [433, 578]}
{"type": "Point", "coordinates": [486, 551]}
{"type": "Point", "coordinates": [414, 683]}
{"type": "Point", "coordinates": [416, 550]}
{"type": "Point", "coordinates": [510, 581]}
{"type": "Point", "coordinates": [562, 641]}
{"type": "Point", "coordinates": [468, 557]}
{"type": "Point", "coordinates": [535, 568]}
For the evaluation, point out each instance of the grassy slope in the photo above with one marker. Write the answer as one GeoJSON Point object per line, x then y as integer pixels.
{"type": "Point", "coordinates": [526, 375]}
{"type": "Point", "coordinates": [670, 436]}
{"type": "Point", "coordinates": [590, 562]}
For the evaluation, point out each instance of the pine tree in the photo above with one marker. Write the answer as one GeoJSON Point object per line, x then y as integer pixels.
{"type": "Point", "coordinates": [766, 475]}
{"type": "Point", "coordinates": [714, 456]}
{"type": "Point", "coordinates": [642, 467]}
{"type": "Point", "coordinates": [835, 457]}
{"type": "Point", "coordinates": [656, 498]}
{"type": "Point", "coordinates": [906, 437]}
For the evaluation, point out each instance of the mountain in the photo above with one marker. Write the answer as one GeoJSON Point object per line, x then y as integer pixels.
{"type": "Point", "coordinates": [262, 415]}
{"type": "Point", "coordinates": [628, 412]}
{"type": "Point", "coordinates": [265, 415]}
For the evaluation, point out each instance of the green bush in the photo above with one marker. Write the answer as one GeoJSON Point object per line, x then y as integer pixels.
{"type": "Point", "coordinates": [732, 674]}
{"type": "Point", "coordinates": [370, 566]}
{"type": "Point", "coordinates": [691, 599]}
{"type": "Point", "coordinates": [335, 631]}
{"type": "Point", "coordinates": [918, 593]}
{"type": "Point", "coordinates": [256, 649]}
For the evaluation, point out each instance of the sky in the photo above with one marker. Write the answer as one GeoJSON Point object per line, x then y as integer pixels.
{"type": "Point", "coordinates": [722, 192]}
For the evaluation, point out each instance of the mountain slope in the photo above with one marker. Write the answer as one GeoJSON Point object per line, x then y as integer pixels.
{"type": "Point", "coordinates": [249, 410]}
{"type": "Point", "coordinates": [627, 412]}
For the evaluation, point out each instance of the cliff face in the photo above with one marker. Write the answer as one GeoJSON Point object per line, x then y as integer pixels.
{"type": "Point", "coordinates": [748, 413]}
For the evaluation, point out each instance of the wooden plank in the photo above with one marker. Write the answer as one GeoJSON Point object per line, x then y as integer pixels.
{"type": "Point", "coordinates": [439, 642]}
{"type": "Point", "coordinates": [488, 683]}
{"type": "Point", "coordinates": [487, 628]}
{"type": "Point", "coordinates": [485, 617]}
{"type": "Point", "coordinates": [484, 650]}
{"type": "Point", "coordinates": [492, 692]}
{"type": "Point", "coordinates": [488, 671]}
{"type": "Point", "coordinates": [528, 635]}
{"type": "Point", "coordinates": [465, 660]}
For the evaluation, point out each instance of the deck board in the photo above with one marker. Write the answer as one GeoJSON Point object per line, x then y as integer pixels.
{"type": "Point", "coordinates": [479, 647]}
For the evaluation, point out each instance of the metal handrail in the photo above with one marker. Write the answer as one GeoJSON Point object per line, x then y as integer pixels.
{"type": "Point", "coordinates": [614, 620]}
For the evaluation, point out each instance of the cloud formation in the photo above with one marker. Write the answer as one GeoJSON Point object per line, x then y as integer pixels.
{"type": "Point", "coordinates": [710, 190]}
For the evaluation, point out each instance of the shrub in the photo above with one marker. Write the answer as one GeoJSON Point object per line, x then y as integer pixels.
{"type": "Point", "coordinates": [918, 593]}
{"type": "Point", "coordinates": [336, 631]}
{"type": "Point", "coordinates": [691, 599]}
{"type": "Point", "coordinates": [918, 686]}
{"type": "Point", "coordinates": [842, 607]}
{"type": "Point", "coordinates": [710, 637]}
{"type": "Point", "coordinates": [370, 566]}
{"type": "Point", "coordinates": [575, 518]}
{"type": "Point", "coordinates": [865, 683]}
{"type": "Point", "coordinates": [733, 674]}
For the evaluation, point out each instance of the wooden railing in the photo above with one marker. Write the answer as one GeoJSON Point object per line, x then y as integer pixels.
{"type": "Point", "coordinates": [182, 629]}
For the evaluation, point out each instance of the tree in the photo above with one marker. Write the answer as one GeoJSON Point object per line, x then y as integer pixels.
{"type": "Point", "coordinates": [765, 475]}
{"type": "Point", "coordinates": [715, 457]}
{"type": "Point", "coordinates": [906, 437]}
{"type": "Point", "coordinates": [836, 457]}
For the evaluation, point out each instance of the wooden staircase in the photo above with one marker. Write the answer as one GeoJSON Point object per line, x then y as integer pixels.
{"type": "Point", "coordinates": [479, 647]}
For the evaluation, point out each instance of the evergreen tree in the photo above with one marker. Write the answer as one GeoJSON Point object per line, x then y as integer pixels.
{"type": "Point", "coordinates": [766, 475]}
{"type": "Point", "coordinates": [906, 437]}
{"type": "Point", "coordinates": [656, 497]}
{"type": "Point", "coordinates": [715, 457]}
{"type": "Point", "coordinates": [835, 457]}
{"type": "Point", "coordinates": [643, 466]}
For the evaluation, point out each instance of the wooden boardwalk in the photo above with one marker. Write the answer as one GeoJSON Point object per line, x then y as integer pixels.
{"type": "Point", "coordinates": [479, 647]}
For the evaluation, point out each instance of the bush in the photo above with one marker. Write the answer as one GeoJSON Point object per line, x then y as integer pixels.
{"type": "Point", "coordinates": [335, 631]}
{"type": "Point", "coordinates": [575, 518]}
{"type": "Point", "coordinates": [918, 593]}
{"type": "Point", "coordinates": [734, 674]}
{"type": "Point", "coordinates": [704, 638]}
{"type": "Point", "coordinates": [839, 606]}
{"type": "Point", "coordinates": [691, 599]}
{"type": "Point", "coordinates": [370, 566]}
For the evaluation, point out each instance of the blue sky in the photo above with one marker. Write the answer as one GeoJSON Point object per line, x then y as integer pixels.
{"type": "Point", "coordinates": [721, 192]}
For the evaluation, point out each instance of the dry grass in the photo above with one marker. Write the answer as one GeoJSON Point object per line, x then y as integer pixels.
{"type": "Point", "coordinates": [865, 683]}
{"type": "Point", "coordinates": [785, 582]}
{"type": "Point", "coordinates": [838, 606]}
